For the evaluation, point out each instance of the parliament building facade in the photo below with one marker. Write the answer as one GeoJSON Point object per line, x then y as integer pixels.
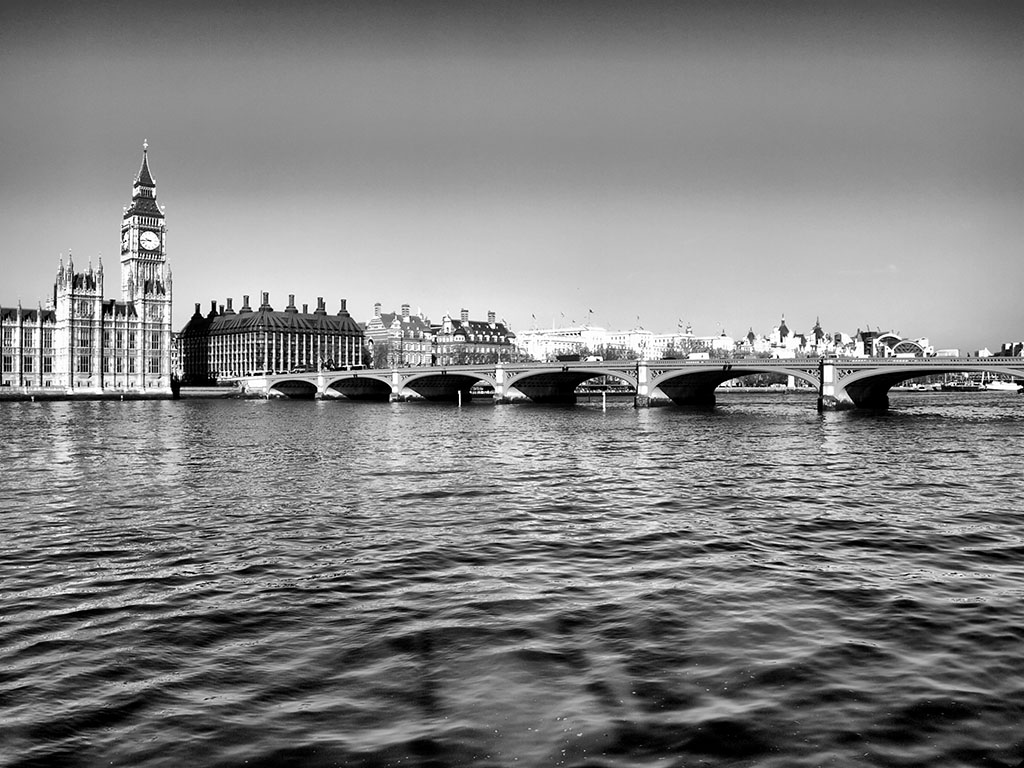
{"type": "Point", "coordinates": [83, 344]}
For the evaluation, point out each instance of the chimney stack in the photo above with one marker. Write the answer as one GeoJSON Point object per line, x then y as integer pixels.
{"type": "Point", "coordinates": [405, 311]}
{"type": "Point", "coordinates": [305, 309]}
{"type": "Point", "coordinates": [229, 310]}
{"type": "Point", "coordinates": [245, 303]}
{"type": "Point", "coordinates": [344, 305]}
{"type": "Point", "coordinates": [321, 308]}
{"type": "Point", "coordinates": [490, 317]}
{"type": "Point", "coordinates": [376, 309]}
{"type": "Point", "coordinates": [465, 315]}
{"type": "Point", "coordinates": [265, 306]}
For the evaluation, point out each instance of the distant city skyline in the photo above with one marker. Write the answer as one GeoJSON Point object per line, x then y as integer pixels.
{"type": "Point", "coordinates": [718, 164]}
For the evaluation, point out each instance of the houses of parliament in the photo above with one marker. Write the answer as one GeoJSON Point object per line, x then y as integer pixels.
{"type": "Point", "coordinates": [81, 343]}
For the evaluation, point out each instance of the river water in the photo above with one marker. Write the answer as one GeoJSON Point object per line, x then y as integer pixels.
{"type": "Point", "coordinates": [264, 583]}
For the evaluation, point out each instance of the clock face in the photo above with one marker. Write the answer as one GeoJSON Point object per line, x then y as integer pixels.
{"type": "Point", "coordinates": [149, 240]}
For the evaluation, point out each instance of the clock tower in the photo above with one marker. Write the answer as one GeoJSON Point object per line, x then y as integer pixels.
{"type": "Point", "coordinates": [143, 238]}
{"type": "Point", "coordinates": [146, 281]}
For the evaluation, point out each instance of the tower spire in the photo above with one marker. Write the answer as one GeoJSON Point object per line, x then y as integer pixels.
{"type": "Point", "coordinates": [145, 177]}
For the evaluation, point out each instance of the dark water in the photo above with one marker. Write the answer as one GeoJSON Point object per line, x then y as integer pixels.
{"type": "Point", "coordinates": [229, 583]}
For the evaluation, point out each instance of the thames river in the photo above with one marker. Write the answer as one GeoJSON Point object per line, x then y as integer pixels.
{"type": "Point", "coordinates": [309, 583]}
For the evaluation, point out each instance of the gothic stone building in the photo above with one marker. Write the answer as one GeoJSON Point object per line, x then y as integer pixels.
{"type": "Point", "coordinates": [82, 343]}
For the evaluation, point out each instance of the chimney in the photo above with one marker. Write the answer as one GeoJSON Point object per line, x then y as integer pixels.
{"type": "Point", "coordinates": [291, 304]}
{"type": "Point", "coordinates": [265, 306]}
{"type": "Point", "coordinates": [490, 317]}
{"type": "Point", "coordinates": [305, 309]}
{"type": "Point", "coordinates": [405, 312]}
{"type": "Point", "coordinates": [245, 304]}
{"type": "Point", "coordinates": [321, 309]}
{"type": "Point", "coordinates": [213, 309]}
{"type": "Point", "coordinates": [229, 310]}
{"type": "Point", "coordinates": [465, 315]}
{"type": "Point", "coordinates": [220, 310]}
{"type": "Point", "coordinates": [344, 310]}
{"type": "Point", "coordinates": [376, 309]}
{"type": "Point", "coordinates": [198, 311]}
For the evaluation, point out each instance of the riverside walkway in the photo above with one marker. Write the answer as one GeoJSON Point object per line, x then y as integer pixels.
{"type": "Point", "coordinates": [841, 382]}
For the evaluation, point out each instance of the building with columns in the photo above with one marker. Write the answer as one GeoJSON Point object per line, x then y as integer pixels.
{"type": "Point", "coordinates": [81, 343]}
{"type": "Point", "coordinates": [225, 344]}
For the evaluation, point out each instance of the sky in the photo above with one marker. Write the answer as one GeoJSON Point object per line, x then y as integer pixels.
{"type": "Point", "coordinates": [721, 164]}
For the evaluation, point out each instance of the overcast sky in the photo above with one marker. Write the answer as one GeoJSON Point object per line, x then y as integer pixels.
{"type": "Point", "coordinates": [719, 164]}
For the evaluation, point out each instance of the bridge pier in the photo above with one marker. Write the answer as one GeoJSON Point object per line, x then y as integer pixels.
{"type": "Point", "coordinates": [830, 398]}
{"type": "Point", "coordinates": [643, 385]}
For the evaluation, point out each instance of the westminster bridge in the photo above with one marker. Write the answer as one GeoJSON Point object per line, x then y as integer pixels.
{"type": "Point", "coordinates": [841, 382]}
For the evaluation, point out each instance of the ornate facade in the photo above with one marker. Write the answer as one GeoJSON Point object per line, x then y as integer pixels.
{"type": "Point", "coordinates": [225, 344]}
{"type": "Point", "coordinates": [84, 344]}
{"type": "Point", "coordinates": [399, 340]}
{"type": "Point", "coordinates": [466, 342]}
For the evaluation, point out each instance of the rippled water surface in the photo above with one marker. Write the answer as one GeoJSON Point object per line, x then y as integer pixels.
{"type": "Point", "coordinates": [228, 583]}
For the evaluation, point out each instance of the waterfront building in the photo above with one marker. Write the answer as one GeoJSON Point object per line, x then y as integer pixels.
{"type": "Point", "coordinates": [552, 343]}
{"type": "Point", "coordinates": [225, 344]}
{"type": "Point", "coordinates": [81, 343]}
{"type": "Point", "coordinates": [465, 341]}
{"type": "Point", "coordinates": [399, 339]}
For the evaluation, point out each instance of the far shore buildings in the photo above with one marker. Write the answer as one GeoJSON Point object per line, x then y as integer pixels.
{"type": "Point", "coordinates": [780, 342]}
{"type": "Point", "coordinates": [81, 343]}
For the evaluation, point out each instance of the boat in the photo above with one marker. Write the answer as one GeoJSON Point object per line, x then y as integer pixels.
{"type": "Point", "coordinates": [1001, 385]}
{"type": "Point", "coordinates": [961, 383]}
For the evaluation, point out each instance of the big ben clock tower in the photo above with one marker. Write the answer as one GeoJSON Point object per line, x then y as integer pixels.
{"type": "Point", "coordinates": [143, 237]}
{"type": "Point", "coordinates": [146, 279]}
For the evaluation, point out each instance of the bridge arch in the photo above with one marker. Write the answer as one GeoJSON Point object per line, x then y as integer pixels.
{"type": "Point", "coordinates": [296, 389]}
{"type": "Point", "coordinates": [696, 385]}
{"type": "Point", "coordinates": [447, 385]}
{"type": "Point", "coordinates": [361, 385]}
{"type": "Point", "coordinates": [557, 383]}
{"type": "Point", "coordinates": [869, 387]}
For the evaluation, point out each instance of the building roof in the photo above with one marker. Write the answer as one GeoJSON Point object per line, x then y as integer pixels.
{"type": "Point", "coordinates": [271, 321]}
{"type": "Point", "coordinates": [470, 328]}
{"type": "Point", "coordinates": [10, 314]}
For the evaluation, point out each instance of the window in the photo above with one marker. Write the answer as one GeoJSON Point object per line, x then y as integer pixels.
{"type": "Point", "coordinates": [118, 365]}
{"type": "Point", "coordinates": [154, 364]}
{"type": "Point", "coordinates": [28, 337]}
{"type": "Point", "coordinates": [48, 337]}
{"type": "Point", "coordinates": [154, 340]}
{"type": "Point", "coordinates": [8, 337]}
{"type": "Point", "coordinates": [131, 365]}
{"type": "Point", "coordinates": [106, 339]}
{"type": "Point", "coordinates": [8, 364]}
{"type": "Point", "coordinates": [120, 339]}
{"type": "Point", "coordinates": [26, 364]}
{"type": "Point", "coordinates": [131, 341]}
{"type": "Point", "coordinates": [83, 364]}
{"type": "Point", "coordinates": [47, 364]}
{"type": "Point", "coordinates": [84, 337]}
